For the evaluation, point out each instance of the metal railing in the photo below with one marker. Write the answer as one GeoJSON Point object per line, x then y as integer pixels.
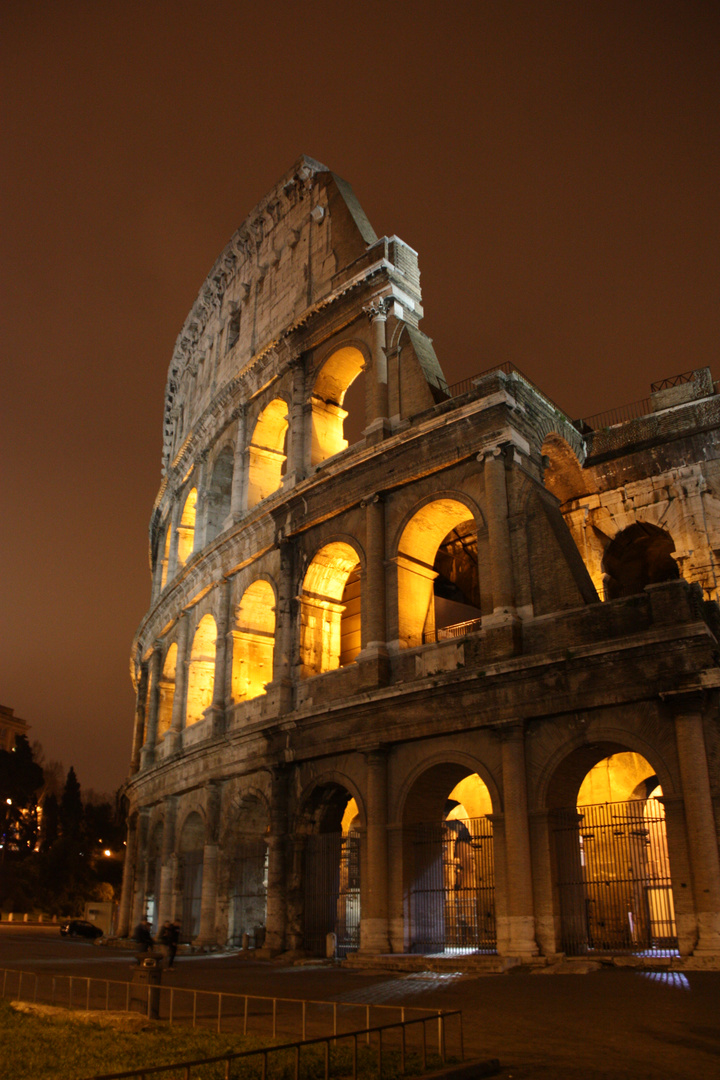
{"type": "Point", "coordinates": [619, 415]}
{"type": "Point", "coordinates": [222, 1012]}
{"type": "Point", "coordinates": [444, 633]}
{"type": "Point", "coordinates": [324, 1041]}
{"type": "Point", "coordinates": [674, 380]}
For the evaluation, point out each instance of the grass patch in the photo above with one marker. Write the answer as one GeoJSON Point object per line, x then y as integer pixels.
{"type": "Point", "coordinates": [42, 1048]}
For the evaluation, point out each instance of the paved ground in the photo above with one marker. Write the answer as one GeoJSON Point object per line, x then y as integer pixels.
{"type": "Point", "coordinates": [616, 1024]}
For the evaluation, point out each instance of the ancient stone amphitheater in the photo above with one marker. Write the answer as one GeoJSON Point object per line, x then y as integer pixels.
{"type": "Point", "coordinates": [426, 669]}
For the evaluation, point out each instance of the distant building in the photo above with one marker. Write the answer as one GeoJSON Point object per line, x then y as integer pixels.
{"type": "Point", "coordinates": [10, 727]}
{"type": "Point", "coordinates": [434, 669]}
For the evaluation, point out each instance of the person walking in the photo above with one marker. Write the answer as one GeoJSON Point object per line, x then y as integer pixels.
{"type": "Point", "coordinates": [144, 939]}
{"type": "Point", "coordinates": [169, 937]}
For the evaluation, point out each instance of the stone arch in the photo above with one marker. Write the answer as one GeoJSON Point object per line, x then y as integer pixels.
{"type": "Point", "coordinates": [562, 472]}
{"type": "Point", "coordinates": [166, 690]}
{"type": "Point", "coordinates": [219, 493]}
{"type": "Point", "coordinates": [253, 636]}
{"type": "Point", "coordinates": [266, 452]}
{"type": "Point", "coordinates": [549, 428]}
{"type": "Point", "coordinates": [335, 377]}
{"type": "Point", "coordinates": [437, 560]}
{"type": "Point", "coordinates": [186, 529]}
{"type": "Point", "coordinates": [448, 857]}
{"type": "Point", "coordinates": [201, 670]}
{"type": "Point", "coordinates": [190, 848]}
{"type": "Point", "coordinates": [638, 556]}
{"type": "Point", "coordinates": [330, 621]}
{"type": "Point", "coordinates": [318, 794]}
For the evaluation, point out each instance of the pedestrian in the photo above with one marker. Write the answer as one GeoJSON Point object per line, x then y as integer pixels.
{"type": "Point", "coordinates": [169, 936]}
{"type": "Point", "coordinates": [144, 939]}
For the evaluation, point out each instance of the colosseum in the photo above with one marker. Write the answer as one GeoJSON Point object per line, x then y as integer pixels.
{"type": "Point", "coordinates": [427, 669]}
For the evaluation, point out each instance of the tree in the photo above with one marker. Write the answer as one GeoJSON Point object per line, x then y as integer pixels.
{"type": "Point", "coordinates": [71, 807]}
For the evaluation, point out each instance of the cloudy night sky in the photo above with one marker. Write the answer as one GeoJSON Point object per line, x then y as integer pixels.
{"type": "Point", "coordinates": [555, 164]}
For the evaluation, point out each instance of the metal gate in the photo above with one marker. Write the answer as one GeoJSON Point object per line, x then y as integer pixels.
{"type": "Point", "coordinates": [192, 895]}
{"type": "Point", "coordinates": [452, 898]}
{"type": "Point", "coordinates": [332, 891]}
{"type": "Point", "coordinates": [249, 893]}
{"type": "Point", "coordinates": [614, 878]}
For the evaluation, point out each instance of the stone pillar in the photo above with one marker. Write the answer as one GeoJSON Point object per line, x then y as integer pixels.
{"type": "Point", "coordinates": [700, 821]}
{"type": "Point", "coordinates": [174, 735]}
{"type": "Point", "coordinates": [175, 517]}
{"type": "Point", "coordinates": [374, 883]}
{"type": "Point", "coordinates": [128, 882]}
{"type": "Point", "coordinates": [375, 603]}
{"type": "Point", "coordinates": [221, 657]}
{"type": "Point", "coordinates": [283, 653]}
{"type": "Point", "coordinates": [168, 860]}
{"type": "Point", "coordinates": [153, 705]}
{"type": "Point", "coordinates": [398, 923]}
{"type": "Point", "coordinates": [378, 424]}
{"type": "Point", "coordinates": [297, 437]}
{"type": "Point", "coordinates": [276, 921]}
{"type": "Point", "coordinates": [239, 480]}
{"type": "Point", "coordinates": [140, 731]}
{"type": "Point", "coordinates": [207, 933]}
{"type": "Point", "coordinates": [520, 907]}
{"type": "Point", "coordinates": [138, 903]}
{"type": "Point", "coordinates": [499, 532]}
{"type": "Point", "coordinates": [201, 505]}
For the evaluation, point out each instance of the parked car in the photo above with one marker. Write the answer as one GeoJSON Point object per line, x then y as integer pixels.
{"type": "Point", "coordinates": [80, 928]}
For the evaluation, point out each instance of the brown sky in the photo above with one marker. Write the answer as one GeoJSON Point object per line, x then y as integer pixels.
{"type": "Point", "coordinates": [554, 163]}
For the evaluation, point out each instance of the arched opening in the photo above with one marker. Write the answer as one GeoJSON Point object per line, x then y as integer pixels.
{"type": "Point", "coordinates": [253, 642]}
{"type": "Point", "coordinates": [613, 880]}
{"type": "Point", "coordinates": [219, 494]}
{"type": "Point", "coordinates": [165, 562]}
{"type": "Point", "coordinates": [562, 473]}
{"type": "Point", "coordinates": [330, 631]}
{"type": "Point", "coordinates": [638, 556]}
{"type": "Point", "coordinates": [201, 671]}
{"type": "Point", "coordinates": [266, 453]}
{"type": "Point", "coordinates": [190, 872]}
{"type": "Point", "coordinates": [332, 871]}
{"type": "Point", "coordinates": [248, 873]}
{"type": "Point", "coordinates": [438, 578]}
{"type": "Point", "coordinates": [449, 865]}
{"type": "Point", "coordinates": [186, 529]}
{"type": "Point", "coordinates": [334, 379]}
{"type": "Point", "coordinates": [152, 877]}
{"type": "Point", "coordinates": [167, 692]}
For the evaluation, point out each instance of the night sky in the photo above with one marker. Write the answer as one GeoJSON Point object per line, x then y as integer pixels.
{"type": "Point", "coordinates": [555, 164]}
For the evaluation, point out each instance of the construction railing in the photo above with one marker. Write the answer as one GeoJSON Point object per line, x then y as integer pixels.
{"type": "Point", "coordinates": [380, 1052]}
{"type": "Point", "coordinates": [244, 1014]}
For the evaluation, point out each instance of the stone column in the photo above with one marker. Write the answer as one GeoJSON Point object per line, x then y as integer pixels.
{"type": "Point", "coordinates": [499, 532]}
{"type": "Point", "coordinates": [375, 603]}
{"type": "Point", "coordinates": [153, 705]}
{"type": "Point", "coordinates": [128, 881]}
{"type": "Point", "coordinates": [520, 907]}
{"type": "Point", "coordinates": [207, 934]}
{"type": "Point", "coordinates": [174, 735]}
{"type": "Point", "coordinates": [140, 731]}
{"type": "Point", "coordinates": [175, 517]}
{"type": "Point", "coordinates": [221, 657]}
{"type": "Point", "coordinates": [283, 653]}
{"type": "Point", "coordinates": [138, 903]}
{"type": "Point", "coordinates": [378, 424]}
{"type": "Point", "coordinates": [277, 871]}
{"type": "Point", "coordinates": [239, 480]}
{"type": "Point", "coordinates": [374, 883]}
{"type": "Point", "coordinates": [168, 861]}
{"type": "Point", "coordinates": [297, 438]}
{"type": "Point", "coordinates": [700, 821]}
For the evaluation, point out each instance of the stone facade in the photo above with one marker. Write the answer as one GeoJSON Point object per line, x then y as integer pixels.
{"type": "Point", "coordinates": [397, 632]}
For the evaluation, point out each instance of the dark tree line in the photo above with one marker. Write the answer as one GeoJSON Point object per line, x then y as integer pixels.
{"type": "Point", "coordinates": [53, 857]}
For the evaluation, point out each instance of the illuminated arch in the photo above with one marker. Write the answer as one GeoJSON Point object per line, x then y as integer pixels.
{"type": "Point", "coordinates": [442, 524]}
{"type": "Point", "coordinates": [201, 671]}
{"type": "Point", "coordinates": [219, 493]}
{"type": "Point", "coordinates": [334, 379]}
{"type": "Point", "coordinates": [267, 452]}
{"type": "Point", "coordinates": [330, 610]}
{"type": "Point", "coordinates": [253, 642]}
{"type": "Point", "coordinates": [186, 529]}
{"type": "Point", "coordinates": [167, 691]}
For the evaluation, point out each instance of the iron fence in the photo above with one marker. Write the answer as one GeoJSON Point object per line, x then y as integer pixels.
{"type": "Point", "coordinates": [332, 892]}
{"type": "Point", "coordinates": [614, 878]}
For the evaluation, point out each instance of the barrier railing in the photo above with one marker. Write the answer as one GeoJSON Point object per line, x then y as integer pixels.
{"type": "Point", "coordinates": [255, 1014]}
{"type": "Point", "coordinates": [460, 629]}
{"type": "Point", "coordinates": [326, 1042]}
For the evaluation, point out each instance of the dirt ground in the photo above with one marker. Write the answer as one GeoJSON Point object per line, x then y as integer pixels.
{"type": "Point", "coordinates": [619, 1024]}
